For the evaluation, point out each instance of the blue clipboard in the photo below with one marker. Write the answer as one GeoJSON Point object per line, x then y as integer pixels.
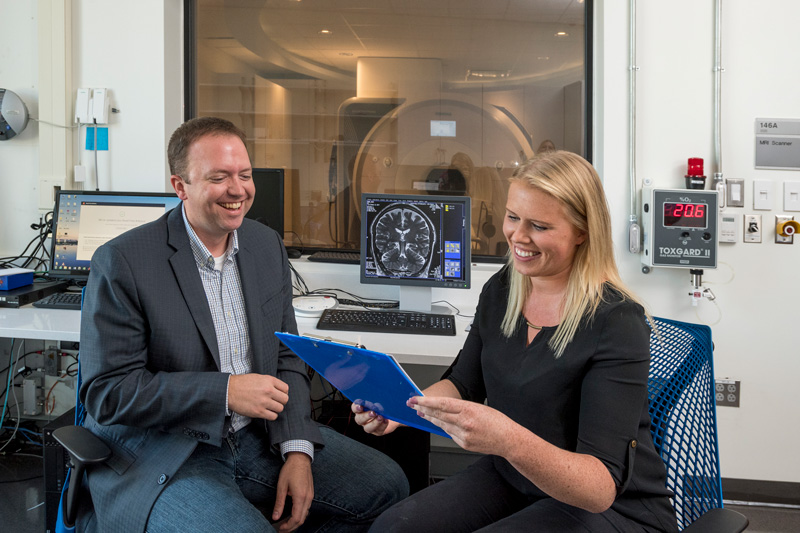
{"type": "Point", "coordinates": [367, 378]}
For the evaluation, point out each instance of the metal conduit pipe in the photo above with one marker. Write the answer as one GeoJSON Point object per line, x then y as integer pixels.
{"type": "Point", "coordinates": [719, 181]}
{"type": "Point", "coordinates": [634, 230]}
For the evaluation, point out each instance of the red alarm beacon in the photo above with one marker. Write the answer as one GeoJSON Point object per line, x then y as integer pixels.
{"type": "Point", "coordinates": [694, 175]}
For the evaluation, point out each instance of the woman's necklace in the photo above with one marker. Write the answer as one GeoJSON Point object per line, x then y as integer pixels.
{"type": "Point", "coordinates": [533, 325]}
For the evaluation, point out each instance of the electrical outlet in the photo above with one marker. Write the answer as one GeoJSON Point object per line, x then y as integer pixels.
{"type": "Point", "coordinates": [727, 392]}
{"type": "Point", "coordinates": [783, 239]}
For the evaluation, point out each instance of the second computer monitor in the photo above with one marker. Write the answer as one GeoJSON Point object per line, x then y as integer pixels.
{"type": "Point", "coordinates": [268, 203]}
{"type": "Point", "coordinates": [416, 242]}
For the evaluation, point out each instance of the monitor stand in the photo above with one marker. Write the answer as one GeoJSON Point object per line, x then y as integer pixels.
{"type": "Point", "coordinates": [419, 299]}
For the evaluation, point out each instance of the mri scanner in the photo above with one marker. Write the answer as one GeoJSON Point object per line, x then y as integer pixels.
{"type": "Point", "coordinates": [440, 146]}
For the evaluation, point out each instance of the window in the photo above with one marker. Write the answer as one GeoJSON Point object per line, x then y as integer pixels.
{"type": "Point", "coordinates": [392, 96]}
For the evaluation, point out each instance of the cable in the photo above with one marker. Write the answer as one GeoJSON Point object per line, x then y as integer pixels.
{"type": "Point", "coordinates": [299, 239]}
{"type": "Point", "coordinates": [21, 480]}
{"type": "Point", "coordinates": [16, 402]}
{"type": "Point", "coordinates": [21, 357]}
{"type": "Point", "coordinates": [733, 275]}
{"type": "Point", "coordinates": [8, 384]}
{"type": "Point", "coordinates": [48, 410]}
{"type": "Point", "coordinates": [96, 168]}
{"type": "Point", "coordinates": [40, 255]}
{"type": "Point", "coordinates": [68, 371]}
{"type": "Point", "coordinates": [25, 430]}
{"type": "Point", "coordinates": [53, 123]}
{"type": "Point", "coordinates": [362, 301]}
{"type": "Point", "coordinates": [458, 311]}
{"type": "Point", "coordinates": [709, 324]}
{"type": "Point", "coordinates": [299, 285]}
{"type": "Point", "coordinates": [24, 433]}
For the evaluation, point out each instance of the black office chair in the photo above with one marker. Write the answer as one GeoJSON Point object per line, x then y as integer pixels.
{"type": "Point", "coordinates": [85, 449]}
{"type": "Point", "coordinates": [684, 425]}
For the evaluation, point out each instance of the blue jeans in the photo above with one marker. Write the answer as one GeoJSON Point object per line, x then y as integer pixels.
{"type": "Point", "coordinates": [222, 489]}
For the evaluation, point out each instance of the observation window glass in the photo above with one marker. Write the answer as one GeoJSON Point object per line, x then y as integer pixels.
{"type": "Point", "coordinates": [435, 97]}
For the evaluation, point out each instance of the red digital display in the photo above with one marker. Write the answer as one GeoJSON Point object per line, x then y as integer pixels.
{"type": "Point", "coordinates": [685, 215]}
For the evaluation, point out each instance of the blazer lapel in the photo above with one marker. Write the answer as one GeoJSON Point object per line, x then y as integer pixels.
{"type": "Point", "coordinates": [185, 269]}
{"type": "Point", "coordinates": [250, 291]}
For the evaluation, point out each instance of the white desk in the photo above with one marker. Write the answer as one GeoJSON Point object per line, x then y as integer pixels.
{"type": "Point", "coordinates": [30, 322]}
{"type": "Point", "coordinates": [407, 349]}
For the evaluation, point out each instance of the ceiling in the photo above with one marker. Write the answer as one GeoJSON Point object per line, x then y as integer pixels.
{"type": "Point", "coordinates": [285, 39]}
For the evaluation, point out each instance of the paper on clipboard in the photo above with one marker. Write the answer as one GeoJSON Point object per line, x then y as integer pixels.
{"type": "Point", "coordinates": [371, 379]}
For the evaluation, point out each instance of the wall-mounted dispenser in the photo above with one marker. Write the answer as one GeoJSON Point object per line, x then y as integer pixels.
{"type": "Point", "coordinates": [13, 115]}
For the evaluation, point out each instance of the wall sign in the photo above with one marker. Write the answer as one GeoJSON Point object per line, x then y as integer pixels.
{"type": "Point", "coordinates": [778, 143]}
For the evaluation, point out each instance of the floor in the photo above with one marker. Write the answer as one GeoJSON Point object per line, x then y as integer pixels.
{"type": "Point", "coordinates": [22, 493]}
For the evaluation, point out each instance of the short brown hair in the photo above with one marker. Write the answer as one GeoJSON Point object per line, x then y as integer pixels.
{"type": "Point", "coordinates": [188, 133]}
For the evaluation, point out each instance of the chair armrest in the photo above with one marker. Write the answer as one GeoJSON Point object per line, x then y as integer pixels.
{"type": "Point", "coordinates": [84, 447]}
{"type": "Point", "coordinates": [719, 521]}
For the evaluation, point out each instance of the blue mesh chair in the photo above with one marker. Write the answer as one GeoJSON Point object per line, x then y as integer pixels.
{"type": "Point", "coordinates": [684, 425]}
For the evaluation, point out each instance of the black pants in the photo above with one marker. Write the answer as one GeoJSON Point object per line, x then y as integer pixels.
{"type": "Point", "coordinates": [479, 499]}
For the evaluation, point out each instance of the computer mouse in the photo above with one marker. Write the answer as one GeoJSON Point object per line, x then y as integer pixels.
{"type": "Point", "coordinates": [293, 253]}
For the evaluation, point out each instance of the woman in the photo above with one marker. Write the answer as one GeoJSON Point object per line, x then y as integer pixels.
{"type": "Point", "coordinates": [551, 383]}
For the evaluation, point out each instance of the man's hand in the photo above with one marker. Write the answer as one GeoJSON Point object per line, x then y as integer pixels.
{"type": "Point", "coordinates": [295, 480]}
{"type": "Point", "coordinates": [257, 396]}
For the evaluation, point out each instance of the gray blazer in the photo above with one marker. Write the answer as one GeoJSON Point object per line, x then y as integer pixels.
{"type": "Point", "coordinates": [150, 364]}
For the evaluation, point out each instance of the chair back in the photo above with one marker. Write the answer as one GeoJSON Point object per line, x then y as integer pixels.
{"type": "Point", "coordinates": [683, 415]}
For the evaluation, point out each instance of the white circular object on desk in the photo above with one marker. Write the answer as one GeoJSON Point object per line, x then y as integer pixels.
{"type": "Point", "coordinates": [311, 306]}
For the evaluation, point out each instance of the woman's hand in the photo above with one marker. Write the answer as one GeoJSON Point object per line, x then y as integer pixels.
{"type": "Point", "coordinates": [473, 426]}
{"type": "Point", "coordinates": [372, 422]}
{"type": "Point", "coordinates": [576, 479]}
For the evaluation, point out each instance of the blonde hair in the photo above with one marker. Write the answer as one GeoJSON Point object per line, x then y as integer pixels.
{"type": "Point", "coordinates": [572, 181]}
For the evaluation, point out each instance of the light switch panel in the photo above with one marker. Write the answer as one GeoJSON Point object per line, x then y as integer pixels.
{"type": "Point", "coordinates": [791, 196]}
{"type": "Point", "coordinates": [763, 192]}
{"type": "Point", "coordinates": [735, 192]}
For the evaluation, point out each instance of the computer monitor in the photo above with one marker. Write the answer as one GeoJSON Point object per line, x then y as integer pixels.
{"type": "Point", "coordinates": [416, 242]}
{"type": "Point", "coordinates": [84, 220]}
{"type": "Point", "coordinates": [268, 203]}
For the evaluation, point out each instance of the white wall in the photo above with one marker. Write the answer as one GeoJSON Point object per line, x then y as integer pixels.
{"type": "Point", "coordinates": [134, 49]}
{"type": "Point", "coordinates": [756, 291]}
{"type": "Point", "coordinates": [123, 46]}
{"type": "Point", "coordinates": [19, 157]}
{"type": "Point", "coordinates": [131, 48]}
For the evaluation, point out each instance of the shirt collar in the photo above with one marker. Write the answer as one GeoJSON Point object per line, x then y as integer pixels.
{"type": "Point", "coordinates": [201, 254]}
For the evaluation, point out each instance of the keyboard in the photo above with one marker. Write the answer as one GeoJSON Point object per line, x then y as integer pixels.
{"type": "Point", "coordinates": [350, 258]}
{"type": "Point", "coordinates": [379, 321]}
{"type": "Point", "coordinates": [60, 300]}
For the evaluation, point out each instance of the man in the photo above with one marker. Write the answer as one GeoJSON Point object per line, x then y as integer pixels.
{"type": "Point", "coordinates": [206, 413]}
